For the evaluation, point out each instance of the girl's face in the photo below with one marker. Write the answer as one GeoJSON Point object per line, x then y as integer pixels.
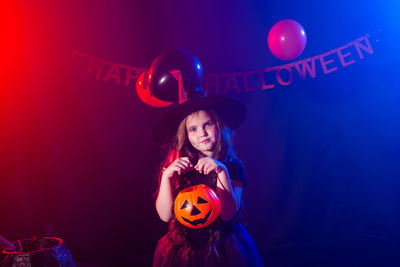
{"type": "Point", "coordinates": [202, 132]}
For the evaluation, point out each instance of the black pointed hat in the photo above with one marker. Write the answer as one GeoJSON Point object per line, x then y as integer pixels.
{"type": "Point", "coordinates": [231, 111]}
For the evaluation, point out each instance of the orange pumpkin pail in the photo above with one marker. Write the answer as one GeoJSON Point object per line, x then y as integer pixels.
{"type": "Point", "coordinates": [197, 206]}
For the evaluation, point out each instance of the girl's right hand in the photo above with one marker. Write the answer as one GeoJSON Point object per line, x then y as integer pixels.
{"type": "Point", "coordinates": [179, 166]}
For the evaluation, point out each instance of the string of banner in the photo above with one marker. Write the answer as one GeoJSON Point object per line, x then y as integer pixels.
{"type": "Point", "coordinates": [238, 82]}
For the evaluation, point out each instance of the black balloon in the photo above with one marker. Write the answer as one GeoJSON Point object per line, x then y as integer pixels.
{"type": "Point", "coordinates": [161, 82]}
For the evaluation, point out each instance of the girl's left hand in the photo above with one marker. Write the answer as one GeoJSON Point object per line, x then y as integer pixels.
{"type": "Point", "coordinates": [207, 165]}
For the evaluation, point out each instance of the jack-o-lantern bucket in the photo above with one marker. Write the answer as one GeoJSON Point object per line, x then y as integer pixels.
{"type": "Point", "coordinates": [197, 206]}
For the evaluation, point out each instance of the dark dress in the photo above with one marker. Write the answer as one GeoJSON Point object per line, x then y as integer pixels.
{"type": "Point", "coordinates": [230, 245]}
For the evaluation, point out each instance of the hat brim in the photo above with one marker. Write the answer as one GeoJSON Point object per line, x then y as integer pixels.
{"type": "Point", "coordinates": [231, 111]}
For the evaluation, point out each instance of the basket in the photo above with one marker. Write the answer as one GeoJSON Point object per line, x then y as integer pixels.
{"type": "Point", "coordinates": [38, 252]}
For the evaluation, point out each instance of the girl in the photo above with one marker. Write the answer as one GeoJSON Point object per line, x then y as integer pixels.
{"type": "Point", "coordinates": [200, 152]}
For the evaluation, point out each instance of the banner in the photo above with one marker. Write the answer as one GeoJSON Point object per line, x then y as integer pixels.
{"type": "Point", "coordinates": [249, 81]}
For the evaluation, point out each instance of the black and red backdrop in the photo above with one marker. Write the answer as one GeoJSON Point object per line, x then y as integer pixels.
{"type": "Point", "coordinates": [77, 159]}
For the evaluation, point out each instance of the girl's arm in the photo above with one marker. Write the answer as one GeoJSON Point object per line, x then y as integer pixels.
{"type": "Point", "coordinates": [229, 194]}
{"type": "Point", "coordinates": [164, 201]}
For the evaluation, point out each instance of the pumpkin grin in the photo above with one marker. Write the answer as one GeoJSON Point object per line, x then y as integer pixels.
{"type": "Point", "coordinates": [198, 221]}
{"type": "Point", "coordinates": [197, 206]}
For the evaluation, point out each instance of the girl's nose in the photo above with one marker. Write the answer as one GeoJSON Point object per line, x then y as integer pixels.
{"type": "Point", "coordinates": [203, 132]}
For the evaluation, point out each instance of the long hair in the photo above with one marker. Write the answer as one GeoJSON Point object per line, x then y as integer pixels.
{"type": "Point", "coordinates": [180, 146]}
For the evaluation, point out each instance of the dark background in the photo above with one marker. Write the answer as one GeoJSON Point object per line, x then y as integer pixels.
{"type": "Point", "coordinates": [77, 159]}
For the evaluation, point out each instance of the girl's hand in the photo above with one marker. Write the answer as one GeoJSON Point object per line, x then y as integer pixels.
{"type": "Point", "coordinates": [207, 165]}
{"type": "Point", "coordinates": [179, 166]}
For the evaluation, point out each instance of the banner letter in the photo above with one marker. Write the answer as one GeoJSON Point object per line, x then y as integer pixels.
{"type": "Point", "coordinates": [113, 73]}
{"type": "Point", "coordinates": [367, 48]}
{"type": "Point", "coordinates": [279, 78]}
{"type": "Point", "coordinates": [324, 63]}
{"type": "Point", "coordinates": [341, 56]}
{"type": "Point", "coordinates": [96, 67]}
{"type": "Point", "coordinates": [246, 83]}
{"type": "Point", "coordinates": [212, 81]}
{"type": "Point", "coordinates": [306, 67]}
{"type": "Point", "coordinates": [263, 85]}
{"type": "Point", "coordinates": [231, 83]}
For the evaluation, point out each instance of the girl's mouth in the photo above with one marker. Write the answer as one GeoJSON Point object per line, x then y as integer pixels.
{"type": "Point", "coordinates": [205, 141]}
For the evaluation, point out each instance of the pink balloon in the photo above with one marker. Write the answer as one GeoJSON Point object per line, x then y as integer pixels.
{"type": "Point", "coordinates": [287, 39]}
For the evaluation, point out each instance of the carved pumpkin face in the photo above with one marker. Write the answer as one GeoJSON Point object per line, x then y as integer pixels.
{"type": "Point", "coordinates": [197, 206]}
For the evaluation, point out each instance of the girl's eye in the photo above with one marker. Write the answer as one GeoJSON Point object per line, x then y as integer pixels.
{"type": "Point", "coordinates": [192, 130]}
{"type": "Point", "coordinates": [210, 123]}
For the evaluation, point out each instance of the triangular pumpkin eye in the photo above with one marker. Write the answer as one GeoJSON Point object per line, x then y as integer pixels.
{"type": "Point", "coordinates": [201, 201]}
{"type": "Point", "coordinates": [185, 204]}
